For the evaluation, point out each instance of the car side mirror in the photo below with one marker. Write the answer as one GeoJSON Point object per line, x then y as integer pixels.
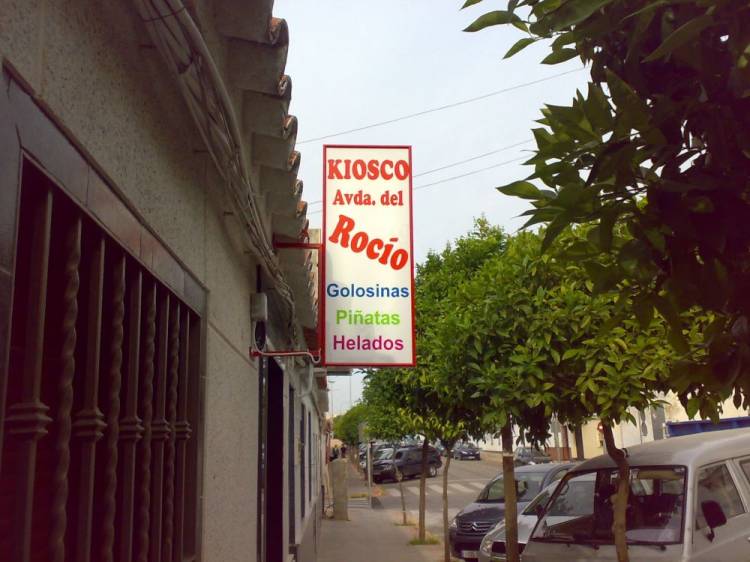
{"type": "Point", "coordinates": [714, 516]}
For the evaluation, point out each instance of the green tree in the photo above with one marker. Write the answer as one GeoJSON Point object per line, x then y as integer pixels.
{"type": "Point", "coordinates": [533, 339]}
{"type": "Point", "coordinates": [447, 411]}
{"type": "Point", "coordinates": [659, 142]}
{"type": "Point", "coordinates": [426, 399]}
{"type": "Point", "coordinates": [346, 425]}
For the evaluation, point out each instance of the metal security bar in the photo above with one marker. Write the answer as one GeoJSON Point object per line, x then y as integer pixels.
{"type": "Point", "coordinates": [101, 397]}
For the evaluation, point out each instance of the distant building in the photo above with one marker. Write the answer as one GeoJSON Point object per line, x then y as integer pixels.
{"type": "Point", "coordinates": [651, 424]}
{"type": "Point", "coordinates": [148, 172]}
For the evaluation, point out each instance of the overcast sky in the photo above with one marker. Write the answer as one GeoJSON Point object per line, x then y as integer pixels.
{"type": "Point", "coordinates": [355, 62]}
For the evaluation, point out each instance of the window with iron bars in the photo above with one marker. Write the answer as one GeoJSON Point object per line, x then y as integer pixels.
{"type": "Point", "coordinates": [99, 459]}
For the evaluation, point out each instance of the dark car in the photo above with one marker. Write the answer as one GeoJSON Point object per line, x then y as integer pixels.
{"type": "Point", "coordinates": [466, 451]}
{"type": "Point", "coordinates": [376, 448]}
{"type": "Point", "coordinates": [405, 462]}
{"type": "Point", "coordinates": [476, 519]}
{"type": "Point", "coordinates": [529, 455]}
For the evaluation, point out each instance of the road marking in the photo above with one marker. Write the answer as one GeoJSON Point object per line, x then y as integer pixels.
{"type": "Point", "coordinates": [359, 503]}
{"type": "Point", "coordinates": [462, 488]}
{"type": "Point", "coordinates": [436, 488]}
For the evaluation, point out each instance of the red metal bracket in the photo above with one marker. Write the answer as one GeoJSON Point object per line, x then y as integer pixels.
{"type": "Point", "coordinates": [315, 355]}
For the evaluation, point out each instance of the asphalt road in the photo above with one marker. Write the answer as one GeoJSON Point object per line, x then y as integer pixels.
{"type": "Point", "coordinates": [465, 480]}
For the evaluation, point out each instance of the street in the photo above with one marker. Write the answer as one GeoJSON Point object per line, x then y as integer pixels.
{"type": "Point", "coordinates": [465, 480]}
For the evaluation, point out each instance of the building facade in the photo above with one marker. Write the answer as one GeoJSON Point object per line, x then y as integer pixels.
{"type": "Point", "coordinates": [148, 176]}
{"type": "Point", "coordinates": [650, 424]}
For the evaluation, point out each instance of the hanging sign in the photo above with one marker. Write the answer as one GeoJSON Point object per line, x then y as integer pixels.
{"type": "Point", "coordinates": [368, 297]}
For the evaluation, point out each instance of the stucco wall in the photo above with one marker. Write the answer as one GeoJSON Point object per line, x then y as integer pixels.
{"type": "Point", "coordinates": [92, 64]}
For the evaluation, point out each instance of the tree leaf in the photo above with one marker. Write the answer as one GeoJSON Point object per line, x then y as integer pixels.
{"type": "Point", "coordinates": [561, 55]}
{"type": "Point", "coordinates": [558, 224]}
{"type": "Point", "coordinates": [679, 37]}
{"type": "Point", "coordinates": [555, 356]}
{"type": "Point", "coordinates": [628, 103]}
{"type": "Point", "coordinates": [644, 311]}
{"type": "Point", "coordinates": [470, 3]}
{"type": "Point", "coordinates": [518, 46]}
{"type": "Point", "coordinates": [573, 12]}
{"type": "Point", "coordinates": [523, 189]}
{"type": "Point", "coordinates": [498, 17]}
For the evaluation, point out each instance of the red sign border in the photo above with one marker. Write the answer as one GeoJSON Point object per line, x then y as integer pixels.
{"type": "Point", "coordinates": [413, 363]}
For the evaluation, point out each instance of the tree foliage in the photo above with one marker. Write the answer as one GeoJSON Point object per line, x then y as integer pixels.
{"type": "Point", "coordinates": [346, 425]}
{"type": "Point", "coordinates": [534, 339]}
{"type": "Point", "coordinates": [428, 399]}
{"type": "Point", "coordinates": [658, 142]}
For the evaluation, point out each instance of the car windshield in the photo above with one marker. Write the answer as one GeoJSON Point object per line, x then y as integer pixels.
{"type": "Point", "coordinates": [540, 500]}
{"type": "Point", "coordinates": [581, 511]}
{"type": "Point", "coordinates": [528, 485]}
{"type": "Point", "coordinates": [384, 454]}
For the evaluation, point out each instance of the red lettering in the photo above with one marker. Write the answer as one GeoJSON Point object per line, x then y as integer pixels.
{"type": "Point", "coordinates": [372, 170]}
{"type": "Point", "coordinates": [386, 164]}
{"type": "Point", "coordinates": [399, 259]}
{"type": "Point", "coordinates": [343, 228]}
{"type": "Point", "coordinates": [333, 169]}
{"type": "Point", "coordinates": [402, 169]}
{"type": "Point", "coordinates": [359, 169]}
{"type": "Point", "coordinates": [387, 253]}
{"type": "Point", "coordinates": [359, 241]}
{"type": "Point", "coordinates": [371, 253]}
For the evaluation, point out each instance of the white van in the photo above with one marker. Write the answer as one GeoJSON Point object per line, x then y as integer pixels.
{"type": "Point", "coordinates": [689, 501]}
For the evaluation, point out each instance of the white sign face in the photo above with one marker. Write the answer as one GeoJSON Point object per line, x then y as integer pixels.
{"type": "Point", "coordinates": [368, 297]}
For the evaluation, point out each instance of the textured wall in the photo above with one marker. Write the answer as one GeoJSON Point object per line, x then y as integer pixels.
{"type": "Point", "coordinates": [91, 62]}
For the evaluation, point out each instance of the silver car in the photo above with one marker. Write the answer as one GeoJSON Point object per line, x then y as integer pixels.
{"type": "Point", "coordinates": [576, 497]}
{"type": "Point", "coordinates": [689, 501]}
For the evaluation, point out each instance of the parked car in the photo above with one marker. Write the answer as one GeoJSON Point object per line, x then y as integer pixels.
{"type": "Point", "coordinates": [405, 462]}
{"type": "Point", "coordinates": [476, 519]}
{"type": "Point", "coordinates": [689, 501]}
{"type": "Point", "coordinates": [529, 455]}
{"type": "Point", "coordinates": [376, 448]}
{"type": "Point", "coordinates": [577, 496]}
{"type": "Point", "coordinates": [466, 451]}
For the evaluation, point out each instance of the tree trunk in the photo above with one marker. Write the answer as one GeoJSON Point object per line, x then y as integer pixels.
{"type": "Point", "coordinates": [446, 537]}
{"type": "Point", "coordinates": [621, 499]}
{"type": "Point", "coordinates": [509, 491]}
{"type": "Point", "coordinates": [580, 453]}
{"type": "Point", "coordinates": [403, 498]}
{"type": "Point", "coordinates": [423, 490]}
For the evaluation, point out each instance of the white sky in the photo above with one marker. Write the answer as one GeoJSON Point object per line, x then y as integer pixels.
{"type": "Point", "coordinates": [357, 62]}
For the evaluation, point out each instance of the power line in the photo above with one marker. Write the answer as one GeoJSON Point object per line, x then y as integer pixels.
{"type": "Point", "coordinates": [514, 145]}
{"type": "Point", "coordinates": [445, 180]}
{"type": "Point", "coordinates": [502, 149]}
{"type": "Point", "coordinates": [471, 173]}
{"type": "Point", "coordinates": [440, 108]}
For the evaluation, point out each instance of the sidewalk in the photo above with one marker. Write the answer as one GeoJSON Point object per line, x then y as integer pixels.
{"type": "Point", "coordinates": [371, 535]}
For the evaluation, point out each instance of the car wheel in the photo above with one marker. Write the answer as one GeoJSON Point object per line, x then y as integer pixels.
{"type": "Point", "coordinates": [376, 480]}
{"type": "Point", "coordinates": [432, 471]}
